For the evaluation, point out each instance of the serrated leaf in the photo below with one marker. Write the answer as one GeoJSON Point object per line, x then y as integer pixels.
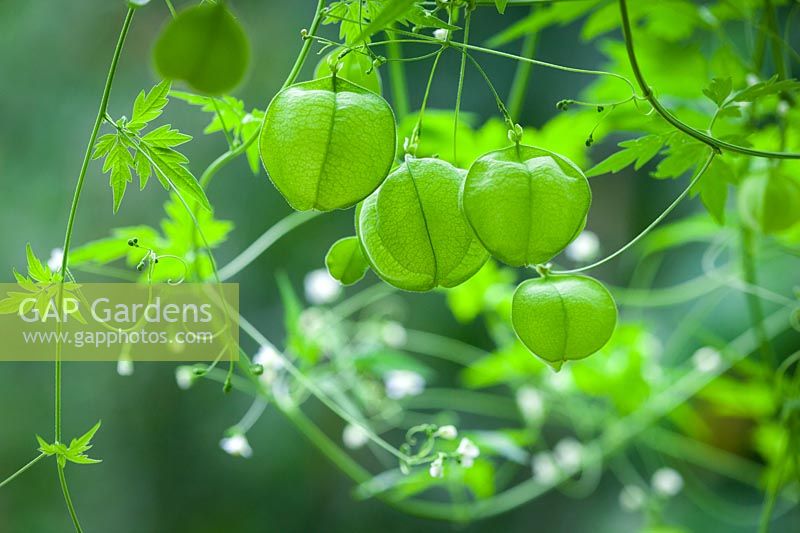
{"type": "Point", "coordinates": [683, 154]}
{"type": "Point", "coordinates": [143, 168]}
{"type": "Point", "coordinates": [393, 10]}
{"type": "Point", "coordinates": [166, 137]}
{"type": "Point", "coordinates": [45, 447]}
{"type": "Point", "coordinates": [768, 87]}
{"type": "Point", "coordinates": [36, 269]}
{"type": "Point", "coordinates": [84, 439]}
{"type": "Point", "coordinates": [169, 167]}
{"type": "Point", "coordinates": [118, 162]}
{"type": "Point", "coordinates": [148, 107]}
{"type": "Point", "coordinates": [639, 151]}
{"type": "Point", "coordinates": [103, 145]}
{"type": "Point", "coordinates": [718, 90]}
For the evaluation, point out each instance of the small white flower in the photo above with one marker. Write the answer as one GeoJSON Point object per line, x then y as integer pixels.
{"type": "Point", "coordinates": [268, 357]}
{"type": "Point", "coordinates": [666, 482]}
{"type": "Point", "coordinates": [402, 383]}
{"type": "Point", "coordinates": [545, 469]}
{"type": "Point", "coordinates": [568, 454]}
{"type": "Point", "coordinates": [468, 452]}
{"type": "Point", "coordinates": [394, 334]}
{"type": "Point", "coordinates": [354, 437]}
{"type": "Point", "coordinates": [125, 367]}
{"type": "Point", "coordinates": [448, 432]}
{"type": "Point", "coordinates": [584, 248]}
{"type": "Point", "coordinates": [436, 469]}
{"type": "Point", "coordinates": [321, 288]}
{"type": "Point", "coordinates": [271, 363]}
{"type": "Point", "coordinates": [751, 79]}
{"type": "Point", "coordinates": [706, 359]}
{"type": "Point", "coordinates": [441, 34]}
{"type": "Point", "coordinates": [531, 403]}
{"type": "Point", "coordinates": [184, 377]}
{"type": "Point", "coordinates": [56, 259]}
{"type": "Point", "coordinates": [237, 446]}
{"type": "Point", "coordinates": [783, 108]}
{"type": "Point", "coordinates": [632, 498]}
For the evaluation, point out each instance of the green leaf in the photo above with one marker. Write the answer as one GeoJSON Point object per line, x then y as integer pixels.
{"type": "Point", "coordinates": [713, 188]}
{"type": "Point", "coordinates": [346, 261]}
{"type": "Point", "coordinates": [640, 151]}
{"type": "Point", "coordinates": [765, 88]}
{"type": "Point", "coordinates": [501, 5]}
{"type": "Point", "coordinates": [392, 10]}
{"type": "Point", "coordinates": [683, 154]}
{"type": "Point", "coordinates": [83, 440]}
{"type": "Point", "coordinates": [166, 137]}
{"type": "Point", "coordinates": [119, 162]}
{"type": "Point", "coordinates": [38, 271]}
{"type": "Point", "coordinates": [170, 169]}
{"type": "Point", "coordinates": [44, 447]}
{"type": "Point", "coordinates": [148, 107]}
{"type": "Point", "coordinates": [718, 90]}
{"type": "Point", "coordinates": [297, 342]}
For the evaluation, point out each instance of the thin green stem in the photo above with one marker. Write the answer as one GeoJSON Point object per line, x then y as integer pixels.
{"type": "Point", "coordinates": [519, 86]}
{"type": "Point", "coordinates": [11, 478]}
{"type": "Point", "coordinates": [699, 174]}
{"type": "Point", "coordinates": [68, 241]}
{"type": "Point", "coordinates": [772, 490]}
{"type": "Point", "coordinates": [397, 77]}
{"type": "Point", "coordinates": [461, 72]}
{"type": "Point", "coordinates": [647, 92]}
{"type": "Point", "coordinates": [171, 8]}
{"type": "Point", "coordinates": [68, 499]}
{"type": "Point", "coordinates": [412, 147]}
{"type": "Point", "coordinates": [749, 275]}
{"type": "Point", "coordinates": [265, 241]}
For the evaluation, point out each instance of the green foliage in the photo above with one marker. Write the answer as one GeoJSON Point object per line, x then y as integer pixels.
{"type": "Point", "coordinates": [346, 261]}
{"type": "Point", "coordinates": [563, 318]}
{"type": "Point", "coordinates": [332, 167]}
{"type": "Point", "coordinates": [178, 237]}
{"type": "Point", "coordinates": [204, 46]}
{"type": "Point", "coordinates": [525, 204]}
{"type": "Point", "coordinates": [231, 118]}
{"type": "Point", "coordinates": [75, 452]}
{"type": "Point", "coordinates": [128, 150]}
{"type": "Point", "coordinates": [359, 20]}
{"type": "Point", "coordinates": [412, 229]}
{"type": "Point", "coordinates": [41, 290]}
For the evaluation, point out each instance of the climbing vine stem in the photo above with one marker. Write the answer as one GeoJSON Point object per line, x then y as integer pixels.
{"type": "Point", "coordinates": [68, 241]}
{"type": "Point", "coordinates": [647, 92]}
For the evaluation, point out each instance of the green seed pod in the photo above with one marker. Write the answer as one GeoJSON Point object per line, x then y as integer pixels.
{"type": "Point", "coordinates": [413, 233]}
{"type": "Point", "coordinates": [206, 47]}
{"type": "Point", "coordinates": [562, 318]}
{"type": "Point", "coordinates": [346, 261]}
{"type": "Point", "coordinates": [327, 143]}
{"type": "Point", "coordinates": [769, 204]}
{"type": "Point", "coordinates": [356, 68]}
{"type": "Point", "coordinates": [525, 204]}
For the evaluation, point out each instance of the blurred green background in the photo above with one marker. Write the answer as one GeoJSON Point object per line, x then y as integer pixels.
{"type": "Point", "coordinates": [163, 470]}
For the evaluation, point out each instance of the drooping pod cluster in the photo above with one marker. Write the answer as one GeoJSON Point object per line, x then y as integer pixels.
{"type": "Point", "coordinates": [330, 144]}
